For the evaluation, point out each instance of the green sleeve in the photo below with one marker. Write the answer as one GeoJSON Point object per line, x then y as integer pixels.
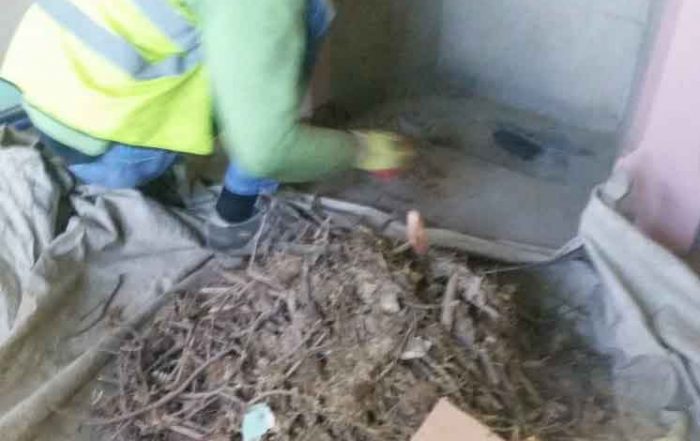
{"type": "Point", "coordinates": [254, 50]}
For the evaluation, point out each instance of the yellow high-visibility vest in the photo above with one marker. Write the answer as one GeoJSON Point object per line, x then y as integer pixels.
{"type": "Point", "coordinates": [128, 71]}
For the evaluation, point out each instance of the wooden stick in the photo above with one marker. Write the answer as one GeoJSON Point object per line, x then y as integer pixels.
{"type": "Point", "coordinates": [449, 302]}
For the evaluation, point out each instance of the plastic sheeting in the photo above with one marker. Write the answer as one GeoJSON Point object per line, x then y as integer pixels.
{"type": "Point", "coordinates": [648, 316]}
{"type": "Point", "coordinates": [56, 278]}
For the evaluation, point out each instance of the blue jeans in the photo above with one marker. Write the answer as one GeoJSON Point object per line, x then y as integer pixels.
{"type": "Point", "coordinates": [125, 166]}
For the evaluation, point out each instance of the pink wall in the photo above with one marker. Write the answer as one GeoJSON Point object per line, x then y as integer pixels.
{"type": "Point", "coordinates": [663, 143]}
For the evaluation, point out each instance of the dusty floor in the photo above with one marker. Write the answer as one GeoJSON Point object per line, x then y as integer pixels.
{"type": "Point", "coordinates": [466, 181]}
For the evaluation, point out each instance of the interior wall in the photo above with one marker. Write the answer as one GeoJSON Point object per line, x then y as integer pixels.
{"type": "Point", "coordinates": [660, 12]}
{"type": "Point", "coordinates": [663, 159]}
{"type": "Point", "coordinates": [381, 48]}
{"type": "Point", "coordinates": [572, 59]}
{"type": "Point", "coordinates": [12, 11]}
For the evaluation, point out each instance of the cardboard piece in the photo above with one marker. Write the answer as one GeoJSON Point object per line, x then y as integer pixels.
{"type": "Point", "coordinates": [447, 423]}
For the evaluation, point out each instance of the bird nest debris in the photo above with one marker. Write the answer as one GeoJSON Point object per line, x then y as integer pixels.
{"type": "Point", "coordinates": [344, 334]}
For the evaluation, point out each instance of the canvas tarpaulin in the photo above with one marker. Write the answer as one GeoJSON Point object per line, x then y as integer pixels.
{"type": "Point", "coordinates": [55, 276]}
{"type": "Point", "coordinates": [647, 315]}
{"type": "Point", "coordinates": [59, 268]}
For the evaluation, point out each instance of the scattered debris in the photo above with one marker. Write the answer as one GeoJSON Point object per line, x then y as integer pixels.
{"type": "Point", "coordinates": [257, 422]}
{"type": "Point", "coordinates": [417, 234]}
{"type": "Point", "coordinates": [416, 348]}
{"type": "Point", "coordinates": [447, 423]}
{"type": "Point", "coordinates": [349, 341]}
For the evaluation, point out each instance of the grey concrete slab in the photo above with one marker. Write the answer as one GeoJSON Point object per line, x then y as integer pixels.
{"type": "Point", "coordinates": [464, 180]}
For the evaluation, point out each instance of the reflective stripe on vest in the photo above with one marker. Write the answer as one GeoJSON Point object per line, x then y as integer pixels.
{"type": "Point", "coordinates": [122, 53]}
{"type": "Point", "coordinates": [172, 24]}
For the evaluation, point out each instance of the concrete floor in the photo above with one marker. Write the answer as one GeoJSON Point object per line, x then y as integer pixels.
{"type": "Point", "coordinates": [464, 180]}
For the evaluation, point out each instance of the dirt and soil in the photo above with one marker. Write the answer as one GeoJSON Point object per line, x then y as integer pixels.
{"type": "Point", "coordinates": [346, 336]}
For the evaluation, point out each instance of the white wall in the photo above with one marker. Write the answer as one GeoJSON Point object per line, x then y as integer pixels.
{"type": "Point", "coordinates": [572, 59]}
{"type": "Point", "coordinates": [575, 59]}
{"type": "Point", "coordinates": [12, 11]}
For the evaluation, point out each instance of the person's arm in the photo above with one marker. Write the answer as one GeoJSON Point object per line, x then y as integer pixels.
{"type": "Point", "coordinates": [254, 50]}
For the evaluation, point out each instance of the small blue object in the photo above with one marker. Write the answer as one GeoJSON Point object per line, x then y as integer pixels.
{"type": "Point", "coordinates": [258, 421]}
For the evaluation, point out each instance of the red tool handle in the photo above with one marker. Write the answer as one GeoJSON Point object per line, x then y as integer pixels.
{"type": "Point", "coordinates": [387, 175]}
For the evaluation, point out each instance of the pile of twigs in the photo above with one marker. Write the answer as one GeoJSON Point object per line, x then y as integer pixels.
{"type": "Point", "coordinates": [345, 335]}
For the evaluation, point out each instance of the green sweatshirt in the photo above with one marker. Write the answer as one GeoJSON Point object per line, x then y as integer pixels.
{"type": "Point", "coordinates": [254, 50]}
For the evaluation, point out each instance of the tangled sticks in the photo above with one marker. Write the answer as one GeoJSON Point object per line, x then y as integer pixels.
{"type": "Point", "coordinates": [346, 335]}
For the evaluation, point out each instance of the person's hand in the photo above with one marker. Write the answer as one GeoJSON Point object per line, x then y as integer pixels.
{"type": "Point", "coordinates": [383, 154]}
